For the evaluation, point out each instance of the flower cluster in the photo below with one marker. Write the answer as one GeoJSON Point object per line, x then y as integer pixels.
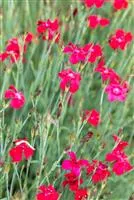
{"type": "Point", "coordinates": [96, 3]}
{"type": "Point", "coordinates": [47, 193]}
{"type": "Point", "coordinates": [98, 170]}
{"type": "Point", "coordinates": [14, 50]}
{"type": "Point", "coordinates": [49, 30]}
{"type": "Point", "coordinates": [117, 4]}
{"type": "Point", "coordinates": [117, 88]}
{"type": "Point", "coordinates": [95, 20]}
{"type": "Point", "coordinates": [120, 39]}
{"type": "Point", "coordinates": [73, 179]}
{"type": "Point", "coordinates": [87, 53]}
{"type": "Point", "coordinates": [120, 4]}
{"type": "Point", "coordinates": [119, 159]}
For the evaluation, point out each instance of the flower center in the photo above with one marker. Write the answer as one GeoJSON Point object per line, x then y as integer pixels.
{"type": "Point", "coordinates": [71, 75]}
{"type": "Point", "coordinates": [116, 91]}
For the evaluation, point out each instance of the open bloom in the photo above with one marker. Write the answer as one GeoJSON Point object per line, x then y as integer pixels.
{"type": "Point", "coordinates": [107, 73]}
{"type": "Point", "coordinates": [47, 193]}
{"type": "Point", "coordinates": [12, 51]}
{"type": "Point", "coordinates": [76, 53]}
{"type": "Point", "coordinates": [72, 181]}
{"type": "Point", "coordinates": [49, 29]}
{"type": "Point", "coordinates": [120, 4]}
{"type": "Point", "coordinates": [119, 159]}
{"type": "Point", "coordinates": [99, 171]}
{"type": "Point", "coordinates": [95, 20]}
{"type": "Point", "coordinates": [96, 3]}
{"type": "Point", "coordinates": [17, 99]}
{"type": "Point", "coordinates": [88, 53]}
{"type": "Point", "coordinates": [117, 91]}
{"type": "Point", "coordinates": [70, 80]}
{"type": "Point", "coordinates": [92, 51]}
{"type": "Point", "coordinates": [81, 194]}
{"type": "Point", "coordinates": [74, 165]}
{"type": "Point", "coordinates": [22, 149]}
{"type": "Point", "coordinates": [120, 39]}
{"type": "Point", "coordinates": [92, 117]}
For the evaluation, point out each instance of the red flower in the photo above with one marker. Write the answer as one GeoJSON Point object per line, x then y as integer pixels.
{"type": "Point", "coordinates": [69, 79]}
{"type": "Point", "coordinates": [74, 165]}
{"type": "Point", "coordinates": [81, 194]}
{"type": "Point", "coordinates": [92, 117]}
{"type": "Point", "coordinates": [96, 3]}
{"type": "Point", "coordinates": [121, 167]}
{"type": "Point", "coordinates": [22, 149]}
{"type": "Point", "coordinates": [17, 99]}
{"type": "Point", "coordinates": [89, 52]}
{"type": "Point", "coordinates": [107, 73]}
{"type": "Point", "coordinates": [95, 20]}
{"type": "Point", "coordinates": [73, 181]}
{"type": "Point", "coordinates": [117, 92]}
{"type": "Point", "coordinates": [98, 170]}
{"type": "Point", "coordinates": [3, 56]}
{"type": "Point", "coordinates": [92, 52]}
{"type": "Point", "coordinates": [120, 39]}
{"type": "Point", "coordinates": [47, 193]}
{"type": "Point", "coordinates": [12, 51]}
{"type": "Point", "coordinates": [120, 4]}
{"type": "Point", "coordinates": [120, 160]}
{"type": "Point", "coordinates": [101, 172]}
{"type": "Point", "coordinates": [29, 37]}
{"type": "Point", "coordinates": [76, 53]}
{"type": "Point", "coordinates": [49, 29]}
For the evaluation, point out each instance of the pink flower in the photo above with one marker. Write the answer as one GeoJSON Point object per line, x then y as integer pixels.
{"type": "Point", "coordinates": [96, 3]}
{"type": "Point", "coordinates": [120, 4]}
{"type": "Point", "coordinates": [47, 193]}
{"type": "Point", "coordinates": [95, 20]}
{"type": "Point", "coordinates": [92, 51]}
{"type": "Point", "coordinates": [17, 99]}
{"type": "Point", "coordinates": [121, 167]}
{"type": "Point", "coordinates": [72, 181]}
{"type": "Point", "coordinates": [69, 79]}
{"type": "Point", "coordinates": [29, 37]}
{"type": "Point", "coordinates": [76, 53]}
{"type": "Point", "coordinates": [22, 149]}
{"type": "Point", "coordinates": [98, 170]}
{"type": "Point", "coordinates": [92, 117]}
{"type": "Point", "coordinates": [12, 51]}
{"type": "Point", "coordinates": [74, 165]}
{"type": "Point", "coordinates": [116, 92]}
{"type": "Point", "coordinates": [107, 73]}
{"type": "Point", "coordinates": [101, 172]}
{"type": "Point", "coordinates": [87, 53]}
{"type": "Point", "coordinates": [120, 39]}
{"type": "Point", "coordinates": [81, 194]}
{"type": "Point", "coordinates": [119, 159]}
{"type": "Point", "coordinates": [49, 29]}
